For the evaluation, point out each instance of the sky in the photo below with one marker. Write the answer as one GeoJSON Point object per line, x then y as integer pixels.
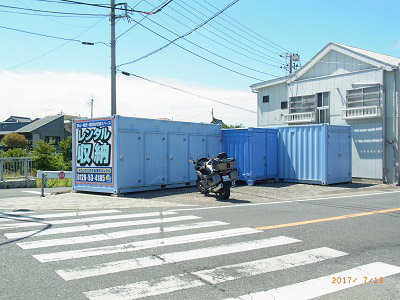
{"type": "Point", "coordinates": [42, 76]}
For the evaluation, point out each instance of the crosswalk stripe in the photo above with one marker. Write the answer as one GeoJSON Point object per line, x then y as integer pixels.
{"type": "Point", "coordinates": [213, 276]}
{"type": "Point", "coordinates": [226, 273]}
{"type": "Point", "coordinates": [146, 244]}
{"type": "Point", "coordinates": [145, 289]}
{"type": "Point", "coordinates": [174, 257]}
{"type": "Point", "coordinates": [87, 220]}
{"type": "Point", "coordinates": [115, 235]}
{"type": "Point", "coordinates": [60, 215]}
{"type": "Point", "coordinates": [80, 228]}
{"type": "Point", "coordinates": [323, 285]}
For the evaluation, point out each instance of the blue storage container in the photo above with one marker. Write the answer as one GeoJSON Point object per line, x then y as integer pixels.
{"type": "Point", "coordinates": [319, 154]}
{"type": "Point", "coordinates": [120, 154]}
{"type": "Point", "coordinates": [255, 152]}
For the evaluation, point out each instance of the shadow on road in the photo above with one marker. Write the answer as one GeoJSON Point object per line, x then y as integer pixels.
{"type": "Point", "coordinates": [22, 218]}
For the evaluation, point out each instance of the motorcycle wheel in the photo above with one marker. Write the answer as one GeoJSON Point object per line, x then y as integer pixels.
{"type": "Point", "coordinates": [201, 188]}
{"type": "Point", "coordinates": [225, 192]}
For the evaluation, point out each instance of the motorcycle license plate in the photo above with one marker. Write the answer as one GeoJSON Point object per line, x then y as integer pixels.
{"type": "Point", "coordinates": [226, 178]}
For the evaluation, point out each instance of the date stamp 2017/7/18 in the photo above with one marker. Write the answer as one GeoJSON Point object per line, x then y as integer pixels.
{"type": "Point", "coordinates": [351, 280]}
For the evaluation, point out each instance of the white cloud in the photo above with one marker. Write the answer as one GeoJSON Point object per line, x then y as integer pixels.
{"type": "Point", "coordinates": [36, 94]}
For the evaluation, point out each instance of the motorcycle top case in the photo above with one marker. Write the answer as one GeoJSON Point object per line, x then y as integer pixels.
{"type": "Point", "coordinates": [121, 154]}
{"type": "Point", "coordinates": [222, 164]}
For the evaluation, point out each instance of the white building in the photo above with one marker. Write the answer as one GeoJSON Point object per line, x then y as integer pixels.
{"type": "Point", "coordinates": [343, 85]}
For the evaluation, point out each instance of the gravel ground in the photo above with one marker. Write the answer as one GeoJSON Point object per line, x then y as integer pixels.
{"type": "Point", "coordinates": [189, 197]}
{"type": "Point", "coordinates": [261, 192]}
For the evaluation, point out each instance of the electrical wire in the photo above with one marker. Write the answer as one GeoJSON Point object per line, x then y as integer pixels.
{"type": "Point", "coordinates": [183, 35]}
{"type": "Point", "coordinates": [53, 12]}
{"type": "Point", "coordinates": [118, 8]}
{"type": "Point", "coordinates": [51, 19]}
{"type": "Point", "coordinates": [188, 92]}
{"type": "Point", "coordinates": [50, 36]}
{"type": "Point", "coordinates": [52, 50]}
{"type": "Point", "coordinates": [234, 31]}
{"type": "Point", "coordinates": [275, 59]}
{"type": "Point", "coordinates": [250, 30]}
{"type": "Point", "coordinates": [45, 15]}
{"type": "Point", "coordinates": [134, 25]}
{"type": "Point", "coordinates": [204, 49]}
{"type": "Point", "coordinates": [221, 44]}
{"type": "Point", "coordinates": [202, 57]}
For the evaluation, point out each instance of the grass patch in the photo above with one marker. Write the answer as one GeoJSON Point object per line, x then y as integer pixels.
{"type": "Point", "coordinates": [55, 182]}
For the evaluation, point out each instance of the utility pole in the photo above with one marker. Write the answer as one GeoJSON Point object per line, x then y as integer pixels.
{"type": "Point", "coordinates": [91, 108]}
{"type": "Point", "coordinates": [113, 62]}
{"type": "Point", "coordinates": [293, 59]}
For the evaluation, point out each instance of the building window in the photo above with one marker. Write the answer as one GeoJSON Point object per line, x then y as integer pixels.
{"type": "Point", "coordinates": [302, 104]}
{"type": "Point", "coordinates": [309, 109]}
{"type": "Point", "coordinates": [265, 99]}
{"type": "Point", "coordinates": [284, 105]}
{"type": "Point", "coordinates": [323, 107]}
{"type": "Point", "coordinates": [52, 139]}
{"type": "Point", "coordinates": [365, 102]}
{"type": "Point", "coordinates": [362, 97]}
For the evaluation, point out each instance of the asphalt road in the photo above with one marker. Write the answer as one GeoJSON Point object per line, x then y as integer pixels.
{"type": "Point", "coordinates": [323, 249]}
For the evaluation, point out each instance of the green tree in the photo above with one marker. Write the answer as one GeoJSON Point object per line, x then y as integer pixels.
{"type": "Point", "coordinates": [15, 140]}
{"type": "Point", "coordinates": [66, 149]}
{"type": "Point", "coordinates": [16, 152]}
{"type": "Point", "coordinates": [43, 156]}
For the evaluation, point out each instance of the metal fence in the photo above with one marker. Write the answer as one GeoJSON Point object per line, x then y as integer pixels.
{"type": "Point", "coordinates": [15, 168]}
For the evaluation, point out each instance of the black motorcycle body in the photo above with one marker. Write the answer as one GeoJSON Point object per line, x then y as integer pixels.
{"type": "Point", "coordinates": [216, 175]}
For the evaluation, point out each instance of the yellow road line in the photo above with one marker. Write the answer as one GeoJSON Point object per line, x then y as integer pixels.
{"type": "Point", "coordinates": [328, 219]}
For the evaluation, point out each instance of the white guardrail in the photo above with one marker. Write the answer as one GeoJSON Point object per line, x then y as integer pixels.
{"type": "Point", "coordinates": [44, 175]}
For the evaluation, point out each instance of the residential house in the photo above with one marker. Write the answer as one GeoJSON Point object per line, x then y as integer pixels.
{"type": "Point", "coordinates": [343, 85]}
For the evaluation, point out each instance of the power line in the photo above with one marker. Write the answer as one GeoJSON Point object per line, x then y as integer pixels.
{"type": "Point", "coordinates": [250, 30]}
{"type": "Point", "coordinates": [183, 35]}
{"type": "Point", "coordinates": [53, 12]}
{"type": "Point", "coordinates": [204, 49]}
{"type": "Point", "coordinates": [202, 57]}
{"type": "Point", "coordinates": [134, 25]}
{"type": "Point", "coordinates": [235, 32]}
{"type": "Point", "coordinates": [118, 8]}
{"type": "Point", "coordinates": [188, 92]}
{"type": "Point", "coordinates": [51, 36]}
{"type": "Point", "coordinates": [52, 50]}
{"type": "Point", "coordinates": [211, 39]}
{"type": "Point", "coordinates": [45, 15]}
{"type": "Point", "coordinates": [51, 19]}
{"type": "Point", "coordinates": [261, 54]}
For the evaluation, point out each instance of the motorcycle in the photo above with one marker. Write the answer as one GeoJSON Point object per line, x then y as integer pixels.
{"type": "Point", "coordinates": [217, 174]}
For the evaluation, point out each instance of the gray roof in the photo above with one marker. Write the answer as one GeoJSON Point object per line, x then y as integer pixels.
{"type": "Point", "coordinates": [379, 60]}
{"type": "Point", "coordinates": [387, 59]}
{"type": "Point", "coordinates": [11, 126]}
{"type": "Point", "coordinates": [18, 119]}
{"type": "Point", "coordinates": [39, 123]}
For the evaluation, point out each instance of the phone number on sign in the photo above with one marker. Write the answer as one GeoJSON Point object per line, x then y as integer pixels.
{"type": "Point", "coordinates": [93, 178]}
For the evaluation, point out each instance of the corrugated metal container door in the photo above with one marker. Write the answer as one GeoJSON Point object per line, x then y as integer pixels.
{"type": "Point", "coordinates": [339, 162]}
{"type": "Point", "coordinates": [272, 153]}
{"type": "Point", "coordinates": [155, 163]}
{"type": "Point", "coordinates": [129, 143]}
{"type": "Point", "coordinates": [314, 154]}
{"type": "Point", "coordinates": [177, 158]}
{"type": "Point", "coordinates": [254, 150]}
